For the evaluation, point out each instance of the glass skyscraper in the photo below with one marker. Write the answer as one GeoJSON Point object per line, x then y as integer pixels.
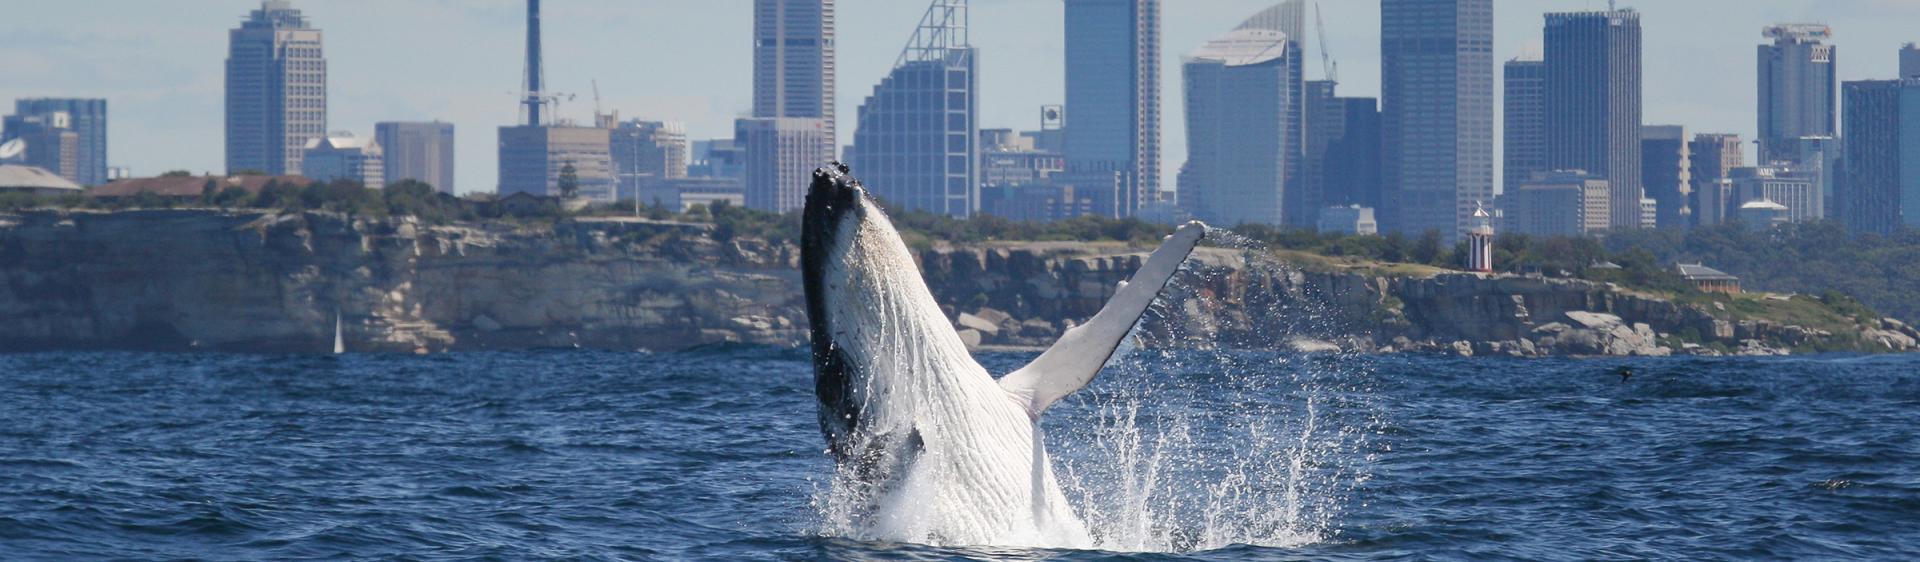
{"type": "Point", "coordinates": [1797, 90]}
{"type": "Point", "coordinates": [88, 120]}
{"type": "Point", "coordinates": [276, 89]}
{"type": "Point", "coordinates": [1436, 81]}
{"type": "Point", "coordinates": [1593, 103]}
{"type": "Point", "coordinates": [1113, 93]}
{"type": "Point", "coordinates": [917, 142]}
{"type": "Point", "coordinates": [793, 62]}
{"type": "Point", "coordinates": [1244, 147]}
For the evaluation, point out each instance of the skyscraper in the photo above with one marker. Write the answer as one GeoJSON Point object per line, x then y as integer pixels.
{"type": "Point", "coordinates": [917, 142]}
{"type": "Point", "coordinates": [1113, 93]}
{"type": "Point", "coordinates": [1881, 192]}
{"type": "Point", "coordinates": [793, 64]}
{"type": "Point", "coordinates": [1342, 165]}
{"type": "Point", "coordinates": [51, 142]}
{"type": "Point", "coordinates": [1712, 158]}
{"type": "Point", "coordinates": [1436, 82]}
{"type": "Point", "coordinates": [419, 151]}
{"type": "Point", "coordinates": [779, 167]}
{"type": "Point", "coordinates": [1525, 126]}
{"type": "Point", "coordinates": [1667, 173]}
{"type": "Point", "coordinates": [276, 89]}
{"type": "Point", "coordinates": [88, 120]}
{"type": "Point", "coordinates": [1593, 103]}
{"type": "Point", "coordinates": [1796, 88]}
{"type": "Point", "coordinates": [1243, 128]}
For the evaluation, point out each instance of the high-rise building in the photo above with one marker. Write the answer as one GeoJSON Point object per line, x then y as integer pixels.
{"type": "Point", "coordinates": [1342, 166]}
{"type": "Point", "coordinates": [341, 156]}
{"type": "Point", "coordinates": [87, 118]}
{"type": "Point", "coordinates": [1436, 82]}
{"type": "Point", "coordinates": [1713, 157]}
{"type": "Point", "coordinates": [1593, 103]}
{"type": "Point", "coordinates": [1909, 61]}
{"type": "Point", "coordinates": [535, 159]}
{"type": "Point", "coordinates": [793, 63]}
{"type": "Point", "coordinates": [421, 151]}
{"type": "Point", "coordinates": [1666, 159]}
{"type": "Point", "coordinates": [1557, 203]}
{"type": "Point", "coordinates": [916, 145]}
{"type": "Point", "coordinates": [1243, 130]}
{"type": "Point", "coordinates": [1525, 125]}
{"type": "Point", "coordinates": [782, 153]}
{"type": "Point", "coordinates": [1782, 185]}
{"type": "Point", "coordinates": [645, 152]}
{"type": "Point", "coordinates": [1113, 92]}
{"type": "Point", "coordinates": [1820, 158]}
{"type": "Point", "coordinates": [1354, 166]}
{"type": "Point", "coordinates": [1796, 88]}
{"type": "Point", "coordinates": [51, 142]}
{"type": "Point", "coordinates": [276, 89]}
{"type": "Point", "coordinates": [1881, 192]}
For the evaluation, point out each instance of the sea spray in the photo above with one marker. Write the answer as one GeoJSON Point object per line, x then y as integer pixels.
{"type": "Point", "coordinates": [1195, 441]}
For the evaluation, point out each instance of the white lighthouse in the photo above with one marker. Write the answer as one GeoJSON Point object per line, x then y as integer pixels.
{"type": "Point", "coordinates": [1480, 241]}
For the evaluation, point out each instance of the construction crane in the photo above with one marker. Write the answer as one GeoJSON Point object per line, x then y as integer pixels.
{"type": "Point", "coordinates": [1327, 64]}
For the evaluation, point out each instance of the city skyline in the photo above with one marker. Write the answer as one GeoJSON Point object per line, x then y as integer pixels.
{"type": "Point", "coordinates": [165, 88]}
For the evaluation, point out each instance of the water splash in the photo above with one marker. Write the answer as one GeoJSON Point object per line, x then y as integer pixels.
{"type": "Point", "coordinates": [1209, 435]}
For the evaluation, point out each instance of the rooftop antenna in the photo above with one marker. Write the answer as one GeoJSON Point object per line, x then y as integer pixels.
{"type": "Point", "coordinates": [534, 100]}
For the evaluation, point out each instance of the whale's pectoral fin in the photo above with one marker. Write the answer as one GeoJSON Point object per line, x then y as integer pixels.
{"type": "Point", "coordinates": [1073, 361]}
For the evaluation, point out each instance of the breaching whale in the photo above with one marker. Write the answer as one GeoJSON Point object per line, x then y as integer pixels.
{"type": "Point", "coordinates": [929, 447]}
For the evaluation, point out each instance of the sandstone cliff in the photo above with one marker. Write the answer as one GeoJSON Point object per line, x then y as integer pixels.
{"type": "Point", "coordinates": [261, 281]}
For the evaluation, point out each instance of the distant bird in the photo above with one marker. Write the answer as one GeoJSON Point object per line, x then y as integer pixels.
{"type": "Point", "coordinates": [1625, 373]}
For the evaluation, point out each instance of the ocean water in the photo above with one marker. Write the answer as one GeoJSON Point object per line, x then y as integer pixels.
{"type": "Point", "coordinates": [716, 455]}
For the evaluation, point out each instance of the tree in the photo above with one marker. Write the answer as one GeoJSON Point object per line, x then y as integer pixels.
{"type": "Point", "coordinates": [569, 181]}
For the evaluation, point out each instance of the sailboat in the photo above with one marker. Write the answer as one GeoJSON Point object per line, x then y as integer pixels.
{"type": "Point", "coordinates": [339, 342]}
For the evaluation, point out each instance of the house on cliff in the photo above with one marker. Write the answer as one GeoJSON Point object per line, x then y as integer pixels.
{"type": "Point", "coordinates": [38, 181]}
{"type": "Point", "coordinates": [1709, 280]}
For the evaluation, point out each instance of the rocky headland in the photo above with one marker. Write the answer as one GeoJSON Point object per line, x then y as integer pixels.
{"type": "Point", "coordinates": [268, 281]}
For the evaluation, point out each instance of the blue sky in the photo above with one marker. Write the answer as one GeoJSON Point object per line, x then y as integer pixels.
{"type": "Point", "coordinates": [160, 64]}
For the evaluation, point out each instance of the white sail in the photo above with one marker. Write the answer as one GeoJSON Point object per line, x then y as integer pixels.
{"type": "Point", "coordinates": [339, 342]}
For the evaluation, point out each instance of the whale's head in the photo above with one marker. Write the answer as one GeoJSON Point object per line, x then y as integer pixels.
{"type": "Point", "coordinates": [865, 297]}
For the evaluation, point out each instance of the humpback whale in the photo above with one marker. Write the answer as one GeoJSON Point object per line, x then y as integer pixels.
{"type": "Point", "coordinates": [928, 446]}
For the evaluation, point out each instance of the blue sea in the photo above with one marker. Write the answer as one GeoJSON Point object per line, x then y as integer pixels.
{"type": "Point", "coordinates": [716, 455]}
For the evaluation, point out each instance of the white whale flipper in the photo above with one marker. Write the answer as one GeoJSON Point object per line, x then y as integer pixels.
{"type": "Point", "coordinates": [1077, 357]}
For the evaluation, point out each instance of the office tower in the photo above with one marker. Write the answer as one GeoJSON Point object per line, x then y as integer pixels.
{"type": "Point", "coordinates": [538, 154]}
{"type": "Point", "coordinates": [1525, 125]}
{"type": "Point", "coordinates": [1113, 93]}
{"type": "Point", "coordinates": [1436, 114]}
{"type": "Point", "coordinates": [646, 152]}
{"type": "Point", "coordinates": [87, 118]}
{"type": "Point", "coordinates": [1593, 103]}
{"type": "Point", "coordinates": [1557, 203]}
{"type": "Point", "coordinates": [1796, 88]}
{"type": "Point", "coordinates": [341, 156]}
{"type": "Point", "coordinates": [51, 143]}
{"type": "Point", "coordinates": [916, 143]}
{"type": "Point", "coordinates": [1782, 185]}
{"type": "Point", "coordinates": [276, 90]}
{"type": "Point", "coordinates": [1342, 166]}
{"type": "Point", "coordinates": [1909, 61]}
{"type": "Point", "coordinates": [1243, 130]}
{"type": "Point", "coordinates": [1667, 174]}
{"type": "Point", "coordinates": [1354, 166]}
{"type": "Point", "coordinates": [1881, 191]}
{"type": "Point", "coordinates": [793, 64]}
{"type": "Point", "coordinates": [1820, 159]}
{"type": "Point", "coordinates": [1713, 156]}
{"type": "Point", "coordinates": [419, 151]}
{"type": "Point", "coordinates": [782, 153]}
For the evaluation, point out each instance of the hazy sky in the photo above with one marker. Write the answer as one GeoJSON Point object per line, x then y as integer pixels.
{"type": "Point", "coordinates": [160, 64]}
